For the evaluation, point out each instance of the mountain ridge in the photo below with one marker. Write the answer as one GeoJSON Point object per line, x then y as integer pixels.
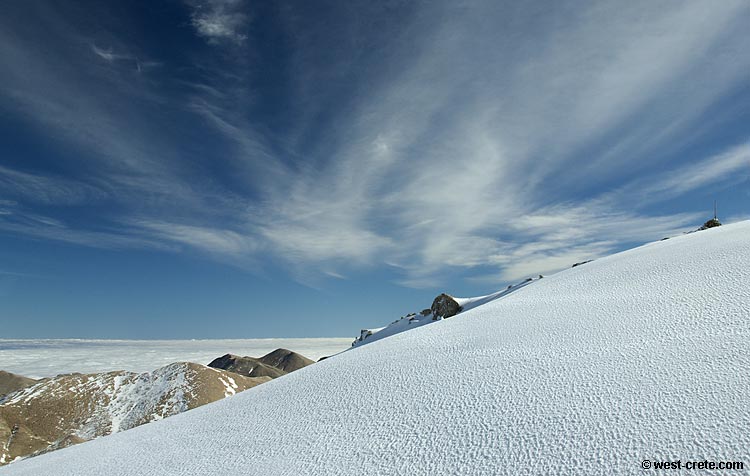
{"type": "Point", "coordinates": [39, 416]}
{"type": "Point", "coordinates": [274, 364]}
{"type": "Point", "coordinates": [641, 354]}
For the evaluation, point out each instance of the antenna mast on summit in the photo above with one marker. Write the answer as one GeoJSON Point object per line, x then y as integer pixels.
{"type": "Point", "coordinates": [715, 210]}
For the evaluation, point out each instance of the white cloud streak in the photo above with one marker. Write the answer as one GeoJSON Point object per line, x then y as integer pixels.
{"type": "Point", "coordinates": [732, 165]}
{"type": "Point", "coordinates": [474, 142]}
{"type": "Point", "coordinates": [477, 136]}
{"type": "Point", "coordinates": [220, 20]}
{"type": "Point", "coordinates": [108, 55]}
{"type": "Point", "coordinates": [212, 240]}
{"type": "Point", "coordinates": [45, 190]}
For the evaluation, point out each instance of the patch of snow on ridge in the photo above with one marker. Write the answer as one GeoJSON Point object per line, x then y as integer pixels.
{"type": "Point", "coordinates": [229, 388]}
{"type": "Point", "coordinates": [642, 355]}
{"type": "Point", "coordinates": [135, 399]}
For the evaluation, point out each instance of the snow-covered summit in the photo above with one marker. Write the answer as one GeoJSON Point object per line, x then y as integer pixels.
{"type": "Point", "coordinates": [639, 356]}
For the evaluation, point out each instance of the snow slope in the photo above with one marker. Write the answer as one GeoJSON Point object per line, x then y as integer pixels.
{"type": "Point", "coordinates": [640, 355]}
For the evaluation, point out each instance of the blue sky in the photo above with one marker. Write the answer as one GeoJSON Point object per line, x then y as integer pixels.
{"type": "Point", "coordinates": [227, 168]}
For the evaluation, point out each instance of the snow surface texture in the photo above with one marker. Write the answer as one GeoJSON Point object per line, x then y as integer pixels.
{"type": "Point", "coordinates": [38, 358]}
{"type": "Point", "coordinates": [640, 355]}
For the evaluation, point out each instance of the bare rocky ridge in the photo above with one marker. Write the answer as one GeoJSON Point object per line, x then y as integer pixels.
{"type": "Point", "coordinates": [275, 364]}
{"type": "Point", "coordinates": [11, 382]}
{"type": "Point", "coordinates": [68, 409]}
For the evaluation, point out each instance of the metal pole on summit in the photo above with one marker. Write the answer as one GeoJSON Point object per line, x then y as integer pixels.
{"type": "Point", "coordinates": [715, 210]}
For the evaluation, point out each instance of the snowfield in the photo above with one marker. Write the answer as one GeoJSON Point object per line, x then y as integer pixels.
{"type": "Point", "coordinates": [643, 355]}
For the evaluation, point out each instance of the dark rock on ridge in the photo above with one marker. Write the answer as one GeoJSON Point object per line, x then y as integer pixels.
{"type": "Point", "coordinates": [713, 222]}
{"type": "Point", "coordinates": [444, 306]}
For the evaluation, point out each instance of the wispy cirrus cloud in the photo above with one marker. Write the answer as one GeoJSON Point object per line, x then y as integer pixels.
{"type": "Point", "coordinates": [729, 166]}
{"type": "Point", "coordinates": [457, 174]}
{"type": "Point", "coordinates": [44, 189]}
{"type": "Point", "coordinates": [27, 223]}
{"type": "Point", "coordinates": [448, 138]}
{"type": "Point", "coordinates": [109, 56]}
{"type": "Point", "coordinates": [220, 20]}
{"type": "Point", "coordinates": [221, 242]}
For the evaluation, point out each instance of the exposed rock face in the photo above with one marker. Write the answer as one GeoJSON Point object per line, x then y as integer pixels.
{"type": "Point", "coordinates": [11, 382]}
{"type": "Point", "coordinates": [68, 409]}
{"type": "Point", "coordinates": [713, 222]}
{"type": "Point", "coordinates": [275, 364]}
{"type": "Point", "coordinates": [582, 262]}
{"type": "Point", "coordinates": [444, 306]}
{"type": "Point", "coordinates": [363, 334]}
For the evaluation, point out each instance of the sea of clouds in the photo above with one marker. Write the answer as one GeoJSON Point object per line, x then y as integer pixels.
{"type": "Point", "coordinates": [39, 358]}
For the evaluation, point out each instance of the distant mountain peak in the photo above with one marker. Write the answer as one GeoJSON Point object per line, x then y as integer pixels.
{"type": "Point", "coordinates": [274, 364]}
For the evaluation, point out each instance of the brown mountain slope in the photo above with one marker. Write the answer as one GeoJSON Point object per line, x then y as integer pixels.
{"type": "Point", "coordinates": [246, 366]}
{"type": "Point", "coordinates": [11, 382]}
{"type": "Point", "coordinates": [286, 360]}
{"type": "Point", "coordinates": [68, 409]}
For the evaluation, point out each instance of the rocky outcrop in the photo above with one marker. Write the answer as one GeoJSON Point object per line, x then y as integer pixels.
{"type": "Point", "coordinates": [444, 306]}
{"type": "Point", "coordinates": [11, 382]}
{"type": "Point", "coordinates": [68, 409]}
{"type": "Point", "coordinates": [274, 364]}
{"type": "Point", "coordinates": [712, 223]}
